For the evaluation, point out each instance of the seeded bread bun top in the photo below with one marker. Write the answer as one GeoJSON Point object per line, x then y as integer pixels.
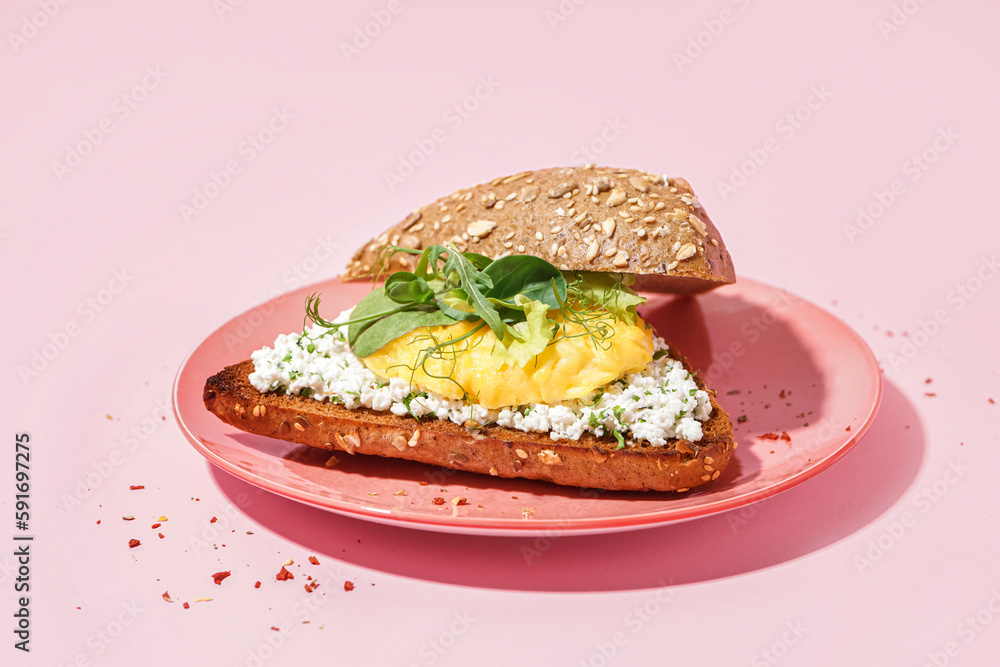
{"type": "Point", "coordinates": [578, 218]}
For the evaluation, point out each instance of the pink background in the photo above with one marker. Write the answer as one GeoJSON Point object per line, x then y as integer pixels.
{"type": "Point", "coordinates": [143, 106]}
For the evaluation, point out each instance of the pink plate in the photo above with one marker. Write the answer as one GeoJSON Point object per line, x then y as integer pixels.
{"type": "Point", "coordinates": [783, 368]}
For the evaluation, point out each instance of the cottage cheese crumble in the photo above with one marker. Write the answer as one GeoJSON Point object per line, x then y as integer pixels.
{"type": "Point", "coordinates": [655, 405]}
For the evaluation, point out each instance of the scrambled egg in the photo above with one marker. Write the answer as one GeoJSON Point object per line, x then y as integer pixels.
{"type": "Point", "coordinates": [570, 367]}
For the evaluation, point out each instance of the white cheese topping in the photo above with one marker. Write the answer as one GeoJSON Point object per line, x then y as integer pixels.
{"type": "Point", "coordinates": [660, 403]}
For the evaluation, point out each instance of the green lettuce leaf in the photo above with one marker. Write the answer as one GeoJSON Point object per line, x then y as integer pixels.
{"type": "Point", "coordinates": [608, 291]}
{"type": "Point", "coordinates": [523, 341]}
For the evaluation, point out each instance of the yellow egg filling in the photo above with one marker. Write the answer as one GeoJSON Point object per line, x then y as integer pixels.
{"type": "Point", "coordinates": [571, 366]}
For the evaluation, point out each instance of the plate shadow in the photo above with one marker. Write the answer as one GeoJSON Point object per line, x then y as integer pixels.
{"type": "Point", "coordinates": [802, 520]}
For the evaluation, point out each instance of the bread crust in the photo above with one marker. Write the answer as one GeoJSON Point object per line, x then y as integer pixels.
{"type": "Point", "coordinates": [589, 462]}
{"type": "Point", "coordinates": [578, 218]}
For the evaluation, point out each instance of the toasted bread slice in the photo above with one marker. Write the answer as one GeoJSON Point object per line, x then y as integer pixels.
{"type": "Point", "coordinates": [579, 219]}
{"type": "Point", "coordinates": [590, 462]}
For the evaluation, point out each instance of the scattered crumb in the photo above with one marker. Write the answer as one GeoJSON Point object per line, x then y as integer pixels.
{"type": "Point", "coordinates": [732, 392]}
{"type": "Point", "coordinates": [741, 419]}
{"type": "Point", "coordinates": [128, 518]}
{"type": "Point", "coordinates": [459, 500]}
{"type": "Point", "coordinates": [108, 417]}
{"type": "Point", "coordinates": [930, 394]}
{"type": "Point", "coordinates": [311, 586]}
{"type": "Point", "coordinates": [203, 599]}
{"type": "Point", "coordinates": [166, 596]}
{"type": "Point", "coordinates": [769, 436]}
{"type": "Point", "coordinates": [928, 381]}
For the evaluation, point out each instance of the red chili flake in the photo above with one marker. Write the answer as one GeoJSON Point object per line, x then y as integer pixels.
{"type": "Point", "coordinates": [782, 394]}
{"type": "Point", "coordinates": [213, 519]}
{"type": "Point", "coordinates": [128, 518]}
{"type": "Point", "coordinates": [928, 381]}
{"type": "Point", "coordinates": [769, 436]}
{"type": "Point", "coordinates": [275, 629]}
{"type": "Point", "coordinates": [314, 560]}
{"type": "Point", "coordinates": [219, 577]}
{"type": "Point", "coordinates": [133, 543]}
{"type": "Point", "coordinates": [848, 428]}
{"type": "Point", "coordinates": [257, 585]}
{"type": "Point", "coordinates": [284, 574]}
{"type": "Point", "coordinates": [437, 501]}
{"type": "Point", "coordinates": [155, 526]}
{"type": "Point", "coordinates": [785, 436]}
{"type": "Point", "coordinates": [423, 483]}
{"type": "Point", "coordinates": [348, 585]}
{"type": "Point", "coordinates": [889, 334]}
{"type": "Point", "coordinates": [160, 535]}
{"type": "Point", "coordinates": [136, 487]}
{"type": "Point", "coordinates": [98, 522]}
{"type": "Point", "coordinates": [930, 394]}
{"type": "Point", "coordinates": [992, 402]}
{"type": "Point", "coordinates": [166, 596]}
{"type": "Point", "coordinates": [310, 587]}
{"type": "Point", "coordinates": [187, 606]}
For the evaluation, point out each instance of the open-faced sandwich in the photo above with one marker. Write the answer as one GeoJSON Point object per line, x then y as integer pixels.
{"type": "Point", "coordinates": [505, 340]}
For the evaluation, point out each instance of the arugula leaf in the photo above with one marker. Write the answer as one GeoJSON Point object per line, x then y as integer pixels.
{"type": "Point", "coordinates": [472, 280]}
